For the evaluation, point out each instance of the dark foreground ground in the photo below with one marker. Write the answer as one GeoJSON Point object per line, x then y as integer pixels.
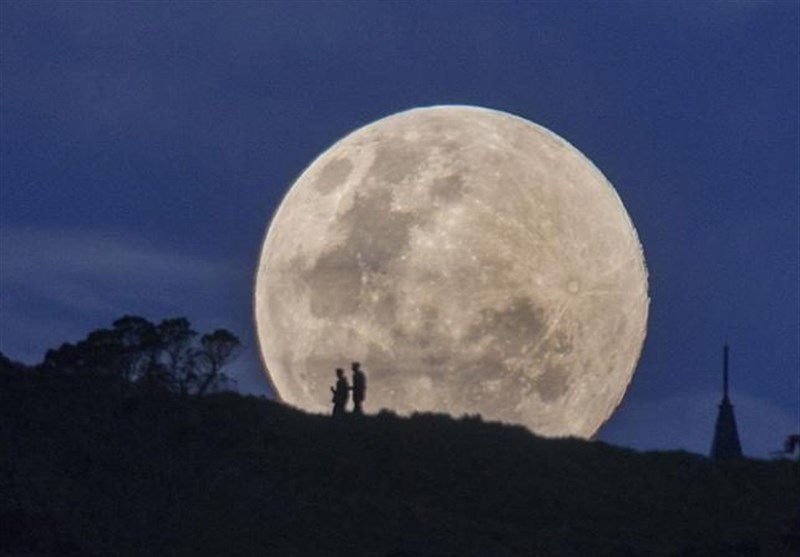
{"type": "Point", "coordinates": [85, 471]}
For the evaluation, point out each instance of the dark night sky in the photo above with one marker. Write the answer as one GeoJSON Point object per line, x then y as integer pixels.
{"type": "Point", "coordinates": [146, 145]}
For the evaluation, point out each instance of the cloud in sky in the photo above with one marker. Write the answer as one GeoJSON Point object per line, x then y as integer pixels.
{"type": "Point", "coordinates": [90, 279]}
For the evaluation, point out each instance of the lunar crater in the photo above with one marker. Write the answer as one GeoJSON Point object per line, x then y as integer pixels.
{"type": "Point", "coordinates": [333, 175]}
{"type": "Point", "coordinates": [394, 161]}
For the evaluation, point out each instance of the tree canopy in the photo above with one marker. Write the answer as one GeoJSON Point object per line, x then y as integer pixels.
{"type": "Point", "coordinates": [168, 356]}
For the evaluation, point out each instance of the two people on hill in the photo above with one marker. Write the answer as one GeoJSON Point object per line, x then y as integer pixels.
{"type": "Point", "coordinates": [341, 392]}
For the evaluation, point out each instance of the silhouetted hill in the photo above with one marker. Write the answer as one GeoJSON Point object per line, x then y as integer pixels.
{"type": "Point", "coordinates": [85, 471]}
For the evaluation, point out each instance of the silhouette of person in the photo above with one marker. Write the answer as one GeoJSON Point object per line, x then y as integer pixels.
{"type": "Point", "coordinates": [340, 393]}
{"type": "Point", "coordinates": [359, 388]}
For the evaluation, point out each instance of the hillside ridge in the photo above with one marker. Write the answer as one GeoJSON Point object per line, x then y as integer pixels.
{"type": "Point", "coordinates": [93, 472]}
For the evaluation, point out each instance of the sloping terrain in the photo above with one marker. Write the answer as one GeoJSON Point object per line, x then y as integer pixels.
{"type": "Point", "coordinates": [86, 471]}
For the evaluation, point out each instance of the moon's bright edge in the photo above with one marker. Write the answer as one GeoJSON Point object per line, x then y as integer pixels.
{"type": "Point", "coordinates": [473, 261]}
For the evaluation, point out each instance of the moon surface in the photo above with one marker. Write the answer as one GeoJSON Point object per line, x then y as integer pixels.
{"type": "Point", "coordinates": [473, 261]}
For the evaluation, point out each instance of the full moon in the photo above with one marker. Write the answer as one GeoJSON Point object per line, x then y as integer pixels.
{"type": "Point", "coordinates": [474, 263]}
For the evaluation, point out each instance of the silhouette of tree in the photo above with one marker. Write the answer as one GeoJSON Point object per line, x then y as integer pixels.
{"type": "Point", "coordinates": [64, 359]}
{"type": "Point", "coordinates": [138, 344]}
{"type": "Point", "coordinates": [98, 355]}
{"type": "Point", "coordinates": [178, 353]}
{"type": "Point", "coordinates": [115, 352]}
{"type": "Point", "coordinates": [217, 350]}
{"type": "Point", "coordinates": [157, 358]}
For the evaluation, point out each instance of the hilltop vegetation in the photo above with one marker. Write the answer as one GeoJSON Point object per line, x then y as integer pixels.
{"type": "Point", "coordinates": [89, 469]}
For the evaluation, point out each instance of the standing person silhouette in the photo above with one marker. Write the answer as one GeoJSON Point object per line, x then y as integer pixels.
{"type": "Point", "coordinates": [359, 388]}
{"type": "Point", "coordinates": [340, 393]}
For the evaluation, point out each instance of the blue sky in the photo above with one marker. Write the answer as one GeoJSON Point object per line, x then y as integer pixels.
{"type": "Point", "coordinates": [145, 146]}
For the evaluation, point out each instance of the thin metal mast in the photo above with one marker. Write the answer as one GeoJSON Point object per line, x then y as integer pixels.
{"type": "Point", "coordinates": [725, 373]}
